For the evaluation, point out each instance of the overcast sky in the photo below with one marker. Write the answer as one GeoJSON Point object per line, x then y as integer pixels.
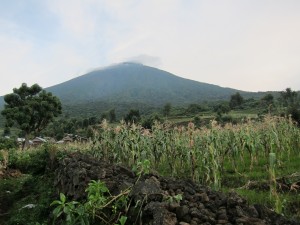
{"type": "Point", "coordinates": [251, 45]}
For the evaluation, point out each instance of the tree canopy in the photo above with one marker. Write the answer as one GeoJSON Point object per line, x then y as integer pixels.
{"type": "Point", "coordinates": [30, 108]}
{"type": "Point", "coordinates": [133, 116]}
{"type": "Point", "coordinates": [167, 109]}
{"type": "Point", "coordinates": [291, 101]}
{"type": "Point", "coordinates": [289, 97]}
{"type": "Point", "coordinates": [236, 100]}
{"type": "Point", "coordinates": [222, 108]}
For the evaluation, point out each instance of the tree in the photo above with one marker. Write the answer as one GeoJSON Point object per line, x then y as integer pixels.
{"type": "Point", "coordinates": [31, 109]}
{"type": "Point", "coordinates": [112, 115]}
{"type": "Point", "coordinates": [294, 112]}
{"type": "Point", "coordinates": [268, 99]}
{"type": "Point", "coordinates": [222, 108]}
{"type": "Point", "coordinates": [148, 121]}
{"type": "Point", "coordinates": [133, 116]}
{"type": "Point", "coordinates": [85, 123]}
{"type": "Point", "coordinates": [104, 116]}
{"type": "Point", "coordinates": [288, 97]}
{"type": "Point", "coordinates": [167, 109]}
{"type": "Point", "coordinates": [195, 108]}
{"type": "Point", "coordinates": [197, 121]}
{"type": "Point", "coordinates": [93, 120]}
{"type": "Point", "coordinates": [266, 102]}
{"type": "Point", "coordinates": [6, 131]}
{"type": "Point", "coordinates": [236, 100]}
{"type": "Point", "coordinates": [56, 129]}
{"type": "Point", "coordinates": [290, 100]}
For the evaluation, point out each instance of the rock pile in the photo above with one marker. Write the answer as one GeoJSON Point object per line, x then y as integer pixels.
{"type": "Point", "coordinates": [154, 199]}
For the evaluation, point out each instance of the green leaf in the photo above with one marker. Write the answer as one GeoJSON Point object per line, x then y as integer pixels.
{"type": "Point", "coordinates": [81, 210]}
{"type": "Point", "coordinates": [69, 218]}
{"type": "Point", "coordinates": [56, 202]}
{"type": "Point", "coordinates": [57, 211]}
{"type": "Point", "coordinates": [67, 210]}
{"type": "Point", "coordinates": [123, 220]}
{"type": "Point", "coordinates": [62, 197]}
{"type": "Point", "coordinates": [178, 197]}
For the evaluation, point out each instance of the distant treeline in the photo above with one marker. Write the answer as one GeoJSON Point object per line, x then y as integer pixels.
{"type": "Point", "coordinates": [81, 118]}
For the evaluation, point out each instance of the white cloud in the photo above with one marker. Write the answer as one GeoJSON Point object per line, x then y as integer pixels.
{"type": "Point", "coordinates": [75, 17]}
{"type": "Point", "coordinates": [145, 59]}
{"type": "Point", "coordinates": [248, 45]}
{"type": "Point", "coordinates": [233, 43]}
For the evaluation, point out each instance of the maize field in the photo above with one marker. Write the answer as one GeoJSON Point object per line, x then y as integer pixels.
{"type": "Point", "coordinates": [201, 154]}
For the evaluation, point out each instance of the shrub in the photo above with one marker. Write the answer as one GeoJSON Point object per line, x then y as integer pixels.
{"type": "Point", "coordinates": [33, 161]}
{"type": "Point", "coordinates": [7, 143]}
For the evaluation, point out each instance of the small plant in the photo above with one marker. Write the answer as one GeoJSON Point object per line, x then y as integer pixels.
{"type": "Point", "coordinates": [273, 184]}
{"type": "Point", "coordinates": [142, 168]}
{"type": "Point", "coordinates": [99, 206]}
{"type": "Point", "coordinates": [122, 220]}
{"type": "Point", "coordinates": [97, 197]}
{"type": "Point", "coordinates": [176, 198]}
{"type": "Point", "coordinates": [73, 211]}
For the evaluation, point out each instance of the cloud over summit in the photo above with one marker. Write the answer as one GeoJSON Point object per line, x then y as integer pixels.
{"type": "Point", "coordinates": [249, 45]}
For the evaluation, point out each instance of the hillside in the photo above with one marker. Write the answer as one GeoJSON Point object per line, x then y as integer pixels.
{"type": "Point", "coordinates": [131, 85]}
{"type": "Point", "coordinates": [130, 82]}
{"type": "Point", "coordinates": [1, 101]}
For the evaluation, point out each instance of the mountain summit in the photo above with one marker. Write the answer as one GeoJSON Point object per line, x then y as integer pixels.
{"type": "Point", "coordinates": [132, 85]}
{"type": "Point", "coordinates": [136, 83]}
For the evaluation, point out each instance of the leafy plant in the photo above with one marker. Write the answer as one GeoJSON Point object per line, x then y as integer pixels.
{"type": "Point", "coordinates": [7, 143]}
{"type": "Point", "coordinates": [142, 167]}
{"type": "Point", "coordinates": [122, 220]}
{"type": "Point", "coordinates": [33, 161]}
{"type": "Point", "coordinates": [176, 198]}
{"type": "Point", "coordinates": [73, 212]}
{"type": "Point", "coordinates": [100, 205]}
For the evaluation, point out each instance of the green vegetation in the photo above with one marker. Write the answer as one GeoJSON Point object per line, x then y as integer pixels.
{"type": "Point", "coordinates": [236, 100]}
{"type": "Point", "coordinates": [26, 186]}
{"type": "Point", "coordinates": [91, 211]}
{"type": "Point", "coordinates": [30, 108]}
{"type": "Point", "coordinates": [82, 120]}
{"type": "Point", "coordinates": [136, 83]}
{"type": "Point", "coordinates": [239, 144]}
{"type": "Point", "coordinates": [7, 143]}
{"type": "Point", "coordinates": [224, 157]}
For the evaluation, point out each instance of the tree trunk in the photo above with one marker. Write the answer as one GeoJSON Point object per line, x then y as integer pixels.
{"type": "Point", "coordinates": [26, 142]}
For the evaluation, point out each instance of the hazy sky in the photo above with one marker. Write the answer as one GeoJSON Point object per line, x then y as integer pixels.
{"type": "Point", "coordinates": [251, 45]}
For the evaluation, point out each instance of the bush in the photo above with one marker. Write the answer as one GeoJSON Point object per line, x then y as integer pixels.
{"type": "Point", "coordinates": [33, 161]}
{"type": "Point", "coordinates": [7, 143]}
{"type": "Point", "coordinates": [31, 200]}
{"type": "Point", "coordinates": [227, 119]}
{"type": "Point", "coordinates": [149, 121]}
{"type": "Point", "coordinates": [197, 121]}
{"type": "Point", "coordinates": [295, 113]}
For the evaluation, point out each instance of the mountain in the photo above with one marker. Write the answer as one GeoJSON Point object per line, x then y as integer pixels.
{"type": "Point", "coordinates": [132, 85]}
{"type": "Point", "coordinates": [131, 82]}
{"type": "Point", "coordinates": [1, 101]}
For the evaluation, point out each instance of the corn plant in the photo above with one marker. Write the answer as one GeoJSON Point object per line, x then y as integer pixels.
{"type": "Point", "coordinates": [199, 154]}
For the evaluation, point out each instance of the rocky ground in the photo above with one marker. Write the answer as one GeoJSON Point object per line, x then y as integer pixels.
{"type": "Point", "coordinates": [158, 196]}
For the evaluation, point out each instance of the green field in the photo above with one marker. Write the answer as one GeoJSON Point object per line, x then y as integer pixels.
{"type": "Point", "coordinates": [224, 157]}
